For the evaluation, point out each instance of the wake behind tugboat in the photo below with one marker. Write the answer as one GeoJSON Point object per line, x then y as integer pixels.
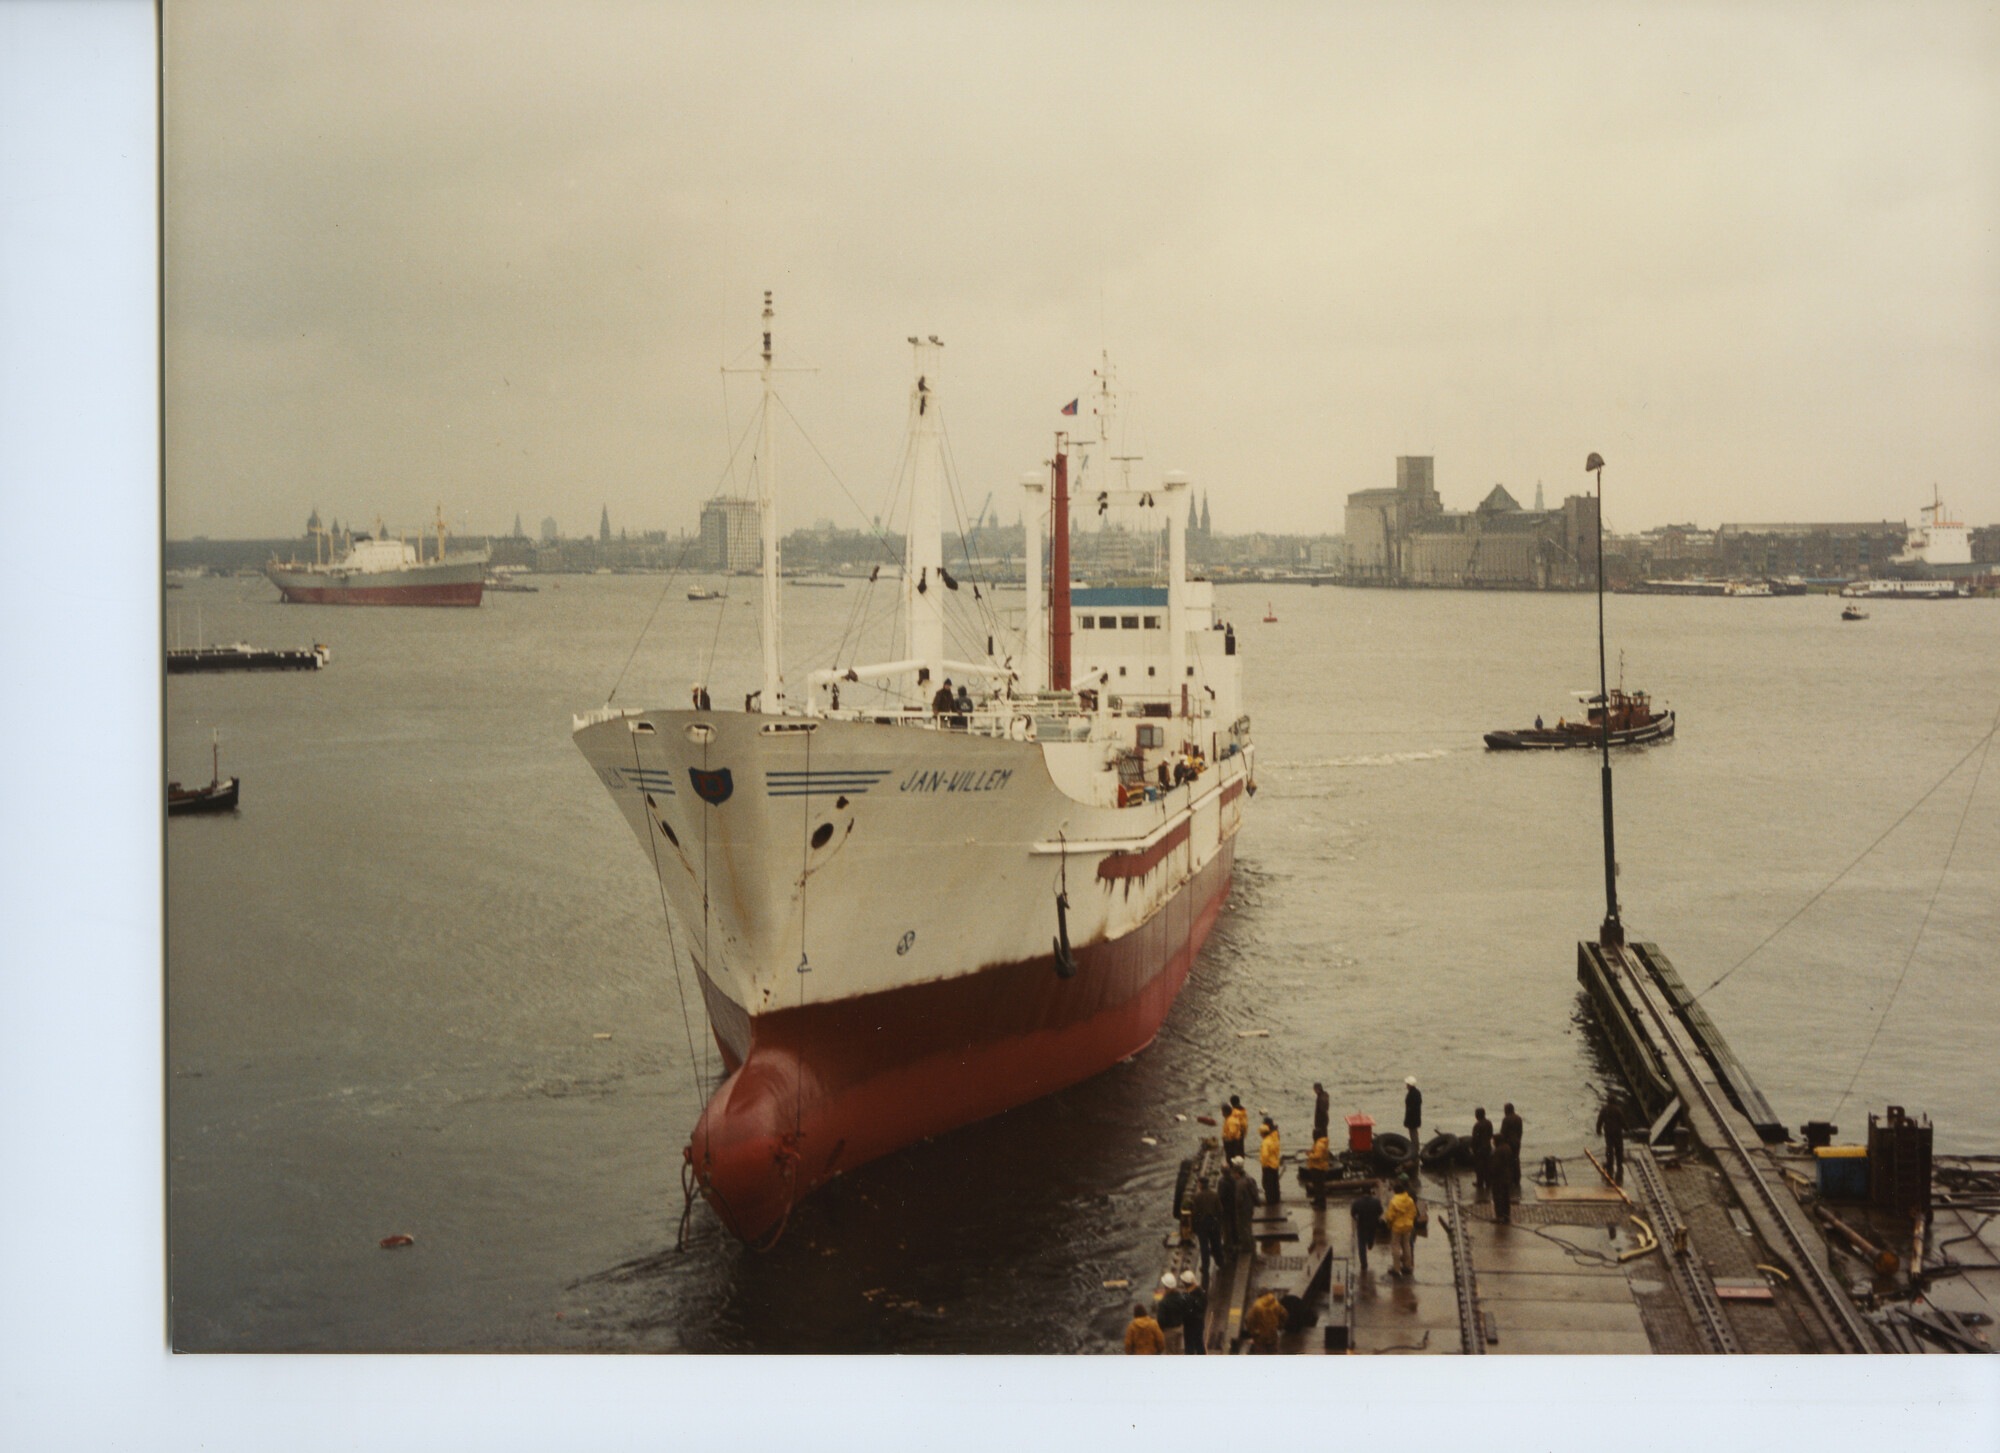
{"type": "Point", "coordinates": [1634, 723]}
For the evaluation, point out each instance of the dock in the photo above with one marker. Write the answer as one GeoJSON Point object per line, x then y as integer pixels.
{"type": "Point", "coordinates": [1721, 1236]}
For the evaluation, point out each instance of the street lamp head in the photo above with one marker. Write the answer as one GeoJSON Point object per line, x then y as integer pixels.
{"type": "Point", "coordinates": [1596, 461]}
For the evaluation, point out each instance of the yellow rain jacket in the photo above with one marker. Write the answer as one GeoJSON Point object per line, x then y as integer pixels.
{"type": "Point", "coordinates": [1265, 1320]}
{"type": "Point", "coordinates": [1267, 1154]}
{"type": "Point", "coordinates": [1236, 1124]}
{"type": "Point", "coordinates": [1401, 1214]}
{"type": "Point", "coordinates": [1320, 1157]}
{"type": "Point", "coordinates": [1144, 1338]}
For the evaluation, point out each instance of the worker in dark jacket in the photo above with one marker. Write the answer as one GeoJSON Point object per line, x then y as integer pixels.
{"type": "Point", "coordinates": [1171, 1308]}
{"type": "Point", "coordinates": [1413, 1110]}
{"type": "Point", "coordinates": [944, 702]}
{"type": "Point", "coordinates": [1246, 1209]}
{"type": "Point", "coordinates": [1511, 1131]}
{"type": "Point", "coordinates": [1367, 1214]}
{"type": "Point", "coordinates": [1194, 1325]}
{"type": "Point", "coordinates": [1482, 1154]}
{"type": "Point", "coordinates": [1226, 1194]}
{"type": "Point", "coordinates": [1611, 1125]}
{"type": "Point", "coordinates": [1322, 1110]}
{"type": "Point", "coordinates": [1504, 1177]}
{"type": "Point", "coordinates": [1205, 1211]}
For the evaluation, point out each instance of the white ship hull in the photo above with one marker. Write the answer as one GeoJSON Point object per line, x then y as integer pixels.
{"type": "Point", "coordinates": [877, 942]}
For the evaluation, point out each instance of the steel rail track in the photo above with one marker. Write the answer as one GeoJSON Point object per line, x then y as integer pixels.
{"type": "Point", "coordinates": [1842, 1321]}
{"type": "Point", "coordinates": [1471, 1327]}
{"type": "Point", "coordinates": [1696, 1290]}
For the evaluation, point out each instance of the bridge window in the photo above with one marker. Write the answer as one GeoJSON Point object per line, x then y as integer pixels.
{"type": "Point", "coordinates": [1130, 623]}
{"type": "Point", "coordinates": [1087, 622]}
{"type": "Point", "coordinates": [1152, 623]}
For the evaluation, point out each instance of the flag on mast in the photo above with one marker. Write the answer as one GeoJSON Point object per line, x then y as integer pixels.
{"type": "Point", "coordinates": [1070, 407]}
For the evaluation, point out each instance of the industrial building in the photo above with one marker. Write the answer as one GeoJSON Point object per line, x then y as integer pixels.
{"type": "Point", "coordinates": [1405, 536]}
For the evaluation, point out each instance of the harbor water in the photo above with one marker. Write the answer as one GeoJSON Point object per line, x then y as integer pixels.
{"type": "Point", "coordinates": [422, 983]}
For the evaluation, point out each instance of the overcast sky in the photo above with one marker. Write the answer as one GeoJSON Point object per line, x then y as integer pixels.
{"type": "Point", "coordinates": [495, 256]}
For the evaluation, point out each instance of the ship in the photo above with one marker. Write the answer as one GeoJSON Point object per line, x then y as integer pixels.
{"type": "Point", "coordinates": [220, 795]}
{"type": "Point", "coordinates": [1634, 723]}
{"type": "Point", "coordinates": [380, 569]}
{"type": "Point", "coordinates": [979, 879]}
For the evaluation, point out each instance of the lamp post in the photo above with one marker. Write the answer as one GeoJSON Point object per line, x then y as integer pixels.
{"type": "Point", "coordinates": [1611, 933]}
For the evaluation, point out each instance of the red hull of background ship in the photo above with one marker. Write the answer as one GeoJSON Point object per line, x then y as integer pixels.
{"type": "Point", "coordinates": [464, 586]}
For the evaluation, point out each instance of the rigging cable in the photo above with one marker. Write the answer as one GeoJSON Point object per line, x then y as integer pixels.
{"type": "Point", "coordinates": [874, 530]}
{"type": "Point", "coordinates": [685, 547]}
{"type": "Point", "coordinates": [680, 991]}
{"type": "Point", "coordinates": [1984, 744]}
{"type": "Point", "coordinates": [1949, 774]}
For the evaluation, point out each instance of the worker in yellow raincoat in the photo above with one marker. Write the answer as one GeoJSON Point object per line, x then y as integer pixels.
{"type": "Point", "coordinates": [1235, 1126]}
{"type": "Point", "coordinates": [1263, 1322]}
{"type": "Point", "coordinates": [1270, 1157]}
{"type": "Point", "coordinates": [1401, 1219]}
{"type": "Point", "coordinates": [1319, 1165]}
{"type": "Point", "coordinates": [1143, 1338]}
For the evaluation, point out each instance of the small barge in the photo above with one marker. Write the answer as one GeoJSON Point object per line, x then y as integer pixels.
{"type": "Point", "coordinates": [242, 657]}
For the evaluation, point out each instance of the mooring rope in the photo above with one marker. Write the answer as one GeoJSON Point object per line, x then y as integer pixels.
{"type": "Point", "coordinates": [1976, 746]}
{"type": "Point", "coordinates": [1984, 744]}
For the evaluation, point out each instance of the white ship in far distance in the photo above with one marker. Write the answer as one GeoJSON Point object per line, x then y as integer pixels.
{"type": "Point", "coordinates": [906, 911]}
{"type": "Point", "coordinates": [1937, 552]}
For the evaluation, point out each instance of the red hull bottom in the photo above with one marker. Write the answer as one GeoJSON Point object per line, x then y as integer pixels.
{"type": "Point", "coordinates": [454, 594]}
{"type": "Point", "coordinates": [827, 1088]}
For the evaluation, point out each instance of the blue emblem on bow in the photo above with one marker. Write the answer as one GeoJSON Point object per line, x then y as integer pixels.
{"type": "Point", "coordinates": [711, 787]}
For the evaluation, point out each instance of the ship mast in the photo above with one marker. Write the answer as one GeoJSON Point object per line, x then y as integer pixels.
{"type": "Point", "coordinates": [1034, 524]}
{"type": "Point", "coordinates": [772, 700]}
{"type": "Point", "coordinates": [923, 547]}
{"type": "Point", "coordinates": [1059, 617]}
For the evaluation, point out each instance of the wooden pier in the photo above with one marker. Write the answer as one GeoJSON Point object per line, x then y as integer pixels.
{"type": "Point", "coordinates": [1720, 1235]}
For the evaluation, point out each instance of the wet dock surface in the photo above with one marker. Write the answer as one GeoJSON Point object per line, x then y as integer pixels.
{"type": "Point", "coordinates": [1664, 1261]}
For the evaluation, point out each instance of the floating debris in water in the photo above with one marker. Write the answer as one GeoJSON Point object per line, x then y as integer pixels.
{"type": "Point", "coordinates": [390, 1243]}
{"type": "Point", "coordinates": [1117, 1282]}
{"type": "Point", "coordinates": [600, 1036]}
{"type": "Point", "coordinates": [1206, 1119]}
{"type": "Point", "coordinates": [1253, 1034]}
{"type": "Point", "coordinates": [1148, 1140]}
{"type": "Point", "coordinates": [1181, 1118]}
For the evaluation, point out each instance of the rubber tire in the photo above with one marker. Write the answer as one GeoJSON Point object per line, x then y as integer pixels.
{"type": "Point", "coordinates": [1442, 1149]}
{"type": "Point", "coordinates": [1393, 1151]}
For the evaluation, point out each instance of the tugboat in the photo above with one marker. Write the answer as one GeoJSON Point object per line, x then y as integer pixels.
{"type": "Point", "coordinates": [1854, 613]}
{"type": "Point", "coordinates": [1634, 723]}
{"type": "Point", "coordinates": [217, 796]}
